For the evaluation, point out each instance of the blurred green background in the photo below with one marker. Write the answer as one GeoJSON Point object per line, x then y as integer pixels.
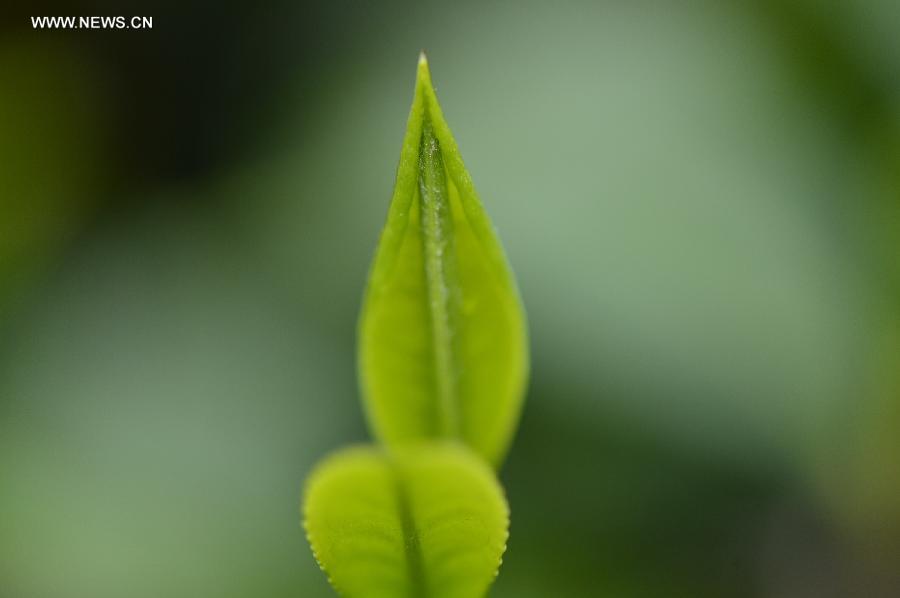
{"type": "Point", "coordinates": [701, 201]}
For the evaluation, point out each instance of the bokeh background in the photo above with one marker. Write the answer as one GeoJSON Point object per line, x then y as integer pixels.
{"type": "Point", "coordinates": [701, 201]}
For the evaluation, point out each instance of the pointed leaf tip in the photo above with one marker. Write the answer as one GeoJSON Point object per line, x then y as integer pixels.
{"type": "Point", "coordinates": [423, 73]}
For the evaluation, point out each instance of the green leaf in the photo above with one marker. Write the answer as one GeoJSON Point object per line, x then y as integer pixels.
{"type": "Point", "coordinates": [443, 347]}
{"type": "Point", "coordinates": [425, 522]}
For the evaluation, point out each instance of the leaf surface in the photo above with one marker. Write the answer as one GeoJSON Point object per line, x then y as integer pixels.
{"type": "Point", "coordinates": [443, 350]}
{"type": "Point", "coordinates": [424, 522]}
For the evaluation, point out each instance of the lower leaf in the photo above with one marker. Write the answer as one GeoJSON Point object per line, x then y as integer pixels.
{"type": "Point", "coordinates": [430, 521]}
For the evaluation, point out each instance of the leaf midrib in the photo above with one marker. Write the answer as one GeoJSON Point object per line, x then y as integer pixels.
{"type": "Point", "coordinates": [438, 254]}
{"type": "Point", "coordinates": [412, 549]}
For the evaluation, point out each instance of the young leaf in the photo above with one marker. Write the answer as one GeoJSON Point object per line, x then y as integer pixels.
{"type": "Point", "coordinates": [443, 348]}
{"type": "Point", "coordinates": [426, 522]}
